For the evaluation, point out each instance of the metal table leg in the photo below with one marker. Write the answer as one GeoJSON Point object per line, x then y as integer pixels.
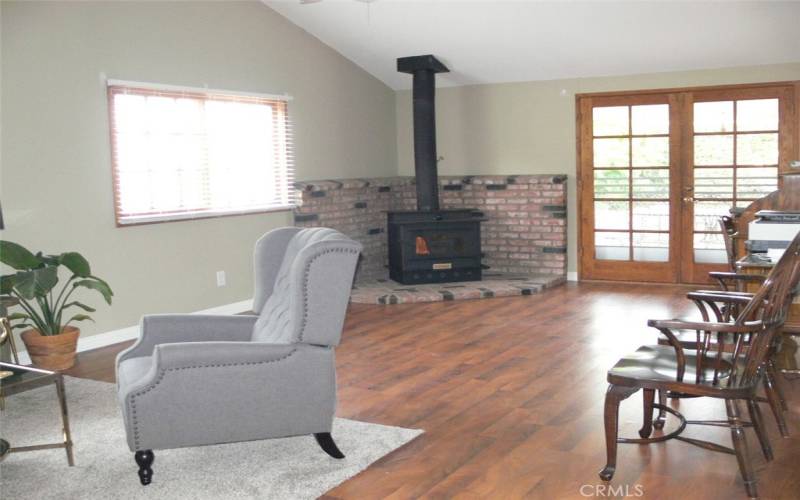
{"type": "Point", "coordinates": [62, 402]}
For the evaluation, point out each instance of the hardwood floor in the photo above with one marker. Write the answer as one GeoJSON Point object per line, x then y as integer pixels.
{"type": "Point", "coordinates": [510, 394]}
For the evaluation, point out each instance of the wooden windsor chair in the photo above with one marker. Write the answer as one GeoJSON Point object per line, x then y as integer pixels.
{"type": "Point", "coordinates": [725, 306]}
{"type": "Point", "coordinates": [731, 368]}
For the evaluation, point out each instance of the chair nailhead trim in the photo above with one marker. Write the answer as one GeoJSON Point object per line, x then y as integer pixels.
{"type": "Point", "coordinates": [132, 397]}
{"type": "Point", "coordinates": [307, 272]}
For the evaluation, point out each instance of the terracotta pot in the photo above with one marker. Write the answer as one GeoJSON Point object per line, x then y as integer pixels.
{"type": "Point", "coordinates": [52, 352]}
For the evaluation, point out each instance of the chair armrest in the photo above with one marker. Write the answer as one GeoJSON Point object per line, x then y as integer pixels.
{"type": "Point", "coordinates": [727, 293]}
{"type": "Point", "coordinates": [181, 355]}
{"type": "Point", "coordinates": [723, 277]}
{"type": "Point", "coordinates": [721, 296]}
{"type": "Point", "coordinates": [727, 275]}
{"type": "Point", "coordinates": [200, 393]}
{"type": "Point", "coordinates": [196, 354]}
{"type": "Point", "coordinates": [171, 328]}
{"type": "Point", "coordinates": [666, 327]}
{"type": "Point", "coordinates": [706, 300]}
{"type": "Point", "coordinates": [679, 324]}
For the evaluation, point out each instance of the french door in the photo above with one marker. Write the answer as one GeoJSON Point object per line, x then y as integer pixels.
{"type": "Point", "coordinates": [656, 170]}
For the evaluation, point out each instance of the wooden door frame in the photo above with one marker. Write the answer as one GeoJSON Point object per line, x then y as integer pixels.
{"type": "Point", "coordinates": [660, 272]}
{"type": "Point", "coordinates": [790, 126]}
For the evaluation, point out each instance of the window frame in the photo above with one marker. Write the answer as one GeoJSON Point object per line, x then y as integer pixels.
{"type": "Point", "coordinates": [114, 87]}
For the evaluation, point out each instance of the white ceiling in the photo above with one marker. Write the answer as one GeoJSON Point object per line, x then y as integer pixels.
{"type": "Point", "coordinates": [489, 41]}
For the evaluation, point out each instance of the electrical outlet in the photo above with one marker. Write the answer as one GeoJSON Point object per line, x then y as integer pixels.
{"type": "Point", "coordinates": [220, 278]}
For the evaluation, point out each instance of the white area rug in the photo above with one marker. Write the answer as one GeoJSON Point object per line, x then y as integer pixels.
{"type": "Point", "coordinates": [292, 468]}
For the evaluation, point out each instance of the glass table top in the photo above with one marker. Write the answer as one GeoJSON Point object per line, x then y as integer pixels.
{"type": "Point", "coordinates": [18, 378]}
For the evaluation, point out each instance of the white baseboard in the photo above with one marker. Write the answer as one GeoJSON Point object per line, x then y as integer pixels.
{"type": "Point", "coordinates": [572, 276]}
{"type": "Point", "coordinates": [132, 332]}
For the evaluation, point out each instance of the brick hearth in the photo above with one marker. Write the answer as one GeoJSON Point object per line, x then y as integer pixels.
{"type": "Point", "coordinates": [385, 291]}
{"type": "Point", "coordinates": [524, 234]}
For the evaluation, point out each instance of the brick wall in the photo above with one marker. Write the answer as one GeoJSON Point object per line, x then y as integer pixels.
{"type": "Point", "coordinates": [525, 230]}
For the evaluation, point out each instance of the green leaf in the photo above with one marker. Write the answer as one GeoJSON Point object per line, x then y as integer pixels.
{"type": "Point", "coordinates": [78, 317]}
{"type": "Point", "coordinates": [22, 325]}
{"type": "Point", "coordinates": [99, 285]}
{"type": "Point", "coordinates": [50, 260]}
{"type": "Point", "coordinates": [17, 256]}
{"type": "Point", "coordinates": [18, 315]}
{"type": "Point", "coordinates": [76, 263]}
{"type": "Point", "coordinates": [7, 283]}
{"type": "Point", "coordinates": [36, 283]}
{"type": "Point", "coordinates": [82, 306]}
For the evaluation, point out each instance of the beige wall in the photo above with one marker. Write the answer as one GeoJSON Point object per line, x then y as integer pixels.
{"type": "Point", "coordinates": [55, 177]}
{"type": "Point", "coordinates": [54, 151]}
{"type": "Point", "coordinates": [529, 128]}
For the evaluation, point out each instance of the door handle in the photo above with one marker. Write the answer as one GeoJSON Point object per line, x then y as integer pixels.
{"type": "Point", "coordinates": [689, 199]}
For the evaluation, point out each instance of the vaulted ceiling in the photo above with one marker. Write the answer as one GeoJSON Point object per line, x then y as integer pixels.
{"type": "Point", "coordinates": [507, 41]}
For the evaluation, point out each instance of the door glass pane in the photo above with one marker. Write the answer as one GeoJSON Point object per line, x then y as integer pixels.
{"type": "Point", "coordinates": [757, 114]}
{"type": "Point", "coordinates": [713, 116]}
{"type": "Point", "coordinates": [709, 248]}
{"type": "Point", "coordinates": [612, 246]}
{"type": "Point", "coordinates": [753, 183]}
{"type": "Point", "coordinates": [611, 214]}
{"type": "Point", "coordinates": [713, 183]}
{"type": "Point", "coordinates": [713, 150]}
{"type": "Point", "coordinates": [610, 121]}
{"type": "Point", "coordinates": [611, 153]}
{"type": "Point", "coordinates": [651, 215]}
{"type": "Point", "coordinates": [650, 120]}
{"type": "Point", "coordinates": [707, 214]}
{"type": "Point", "coordinates": [651, 183]}
{"type": "Point", "coordinates": [611, 183]}
{"type": "Point", "coordinates": [651, 151]}
{"type": "Point", "coordinates": [757, 149]}
{"type": "Point", "coordinates": [651, 247]}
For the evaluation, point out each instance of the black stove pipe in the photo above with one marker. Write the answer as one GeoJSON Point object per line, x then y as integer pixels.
{"type": "Point", "coordinates": [424, 69]}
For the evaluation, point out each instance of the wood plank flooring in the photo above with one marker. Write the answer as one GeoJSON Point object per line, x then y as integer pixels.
{"type": "Point", "coordinates": [510, 392]}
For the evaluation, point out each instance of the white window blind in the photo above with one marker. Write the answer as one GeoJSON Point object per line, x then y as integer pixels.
{"type": "Point", "coordinates": [183, 154]}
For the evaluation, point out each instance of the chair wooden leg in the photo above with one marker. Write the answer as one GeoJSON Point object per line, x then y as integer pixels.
{"type": "Point", "coordinates": [740, 446]}
{"type": "Point", "coordinates": [614, 396]}
{"type": "Point", "coordinates": [758, 425]}
{"type": "Point", "coordinates": [144, 459]}
{"type": "Point", "coordinates": [661, 419]}
{"type": "Point", "coordinates": [776, 382]}
{"type": "Point", "coordinates": [648, 395]}
{"type": "Point", "coordinates": [775, 404]}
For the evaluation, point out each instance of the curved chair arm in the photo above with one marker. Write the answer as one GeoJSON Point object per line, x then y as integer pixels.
{"type": "Point", "coordinates": [726, 293]}
{"type": "Point", "coordinates": [170, 328]}
{"type": "Point", "coordinates": [667, 326]}
{"type": "Point", "coordinates": [215, 392]}
{"type": "Point", "coordinates": [723, 278]}
{"type": "Point", "coordinates": [706, 300]}
{"type": "Point", "coordinates": [184, 355]}
{"type": "Point", "coordinates": [679, 324]}
{"type": "Point", "coordinates": [192, 354]}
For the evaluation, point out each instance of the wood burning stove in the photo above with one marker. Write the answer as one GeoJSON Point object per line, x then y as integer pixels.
{"type": "Point", "coordinates": [435, 247]}
{"type": "Point", "coordinates": [430, 245]}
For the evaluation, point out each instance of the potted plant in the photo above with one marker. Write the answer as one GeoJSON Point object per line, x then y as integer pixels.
{"type": "Point", "coordinates": [50, 339]}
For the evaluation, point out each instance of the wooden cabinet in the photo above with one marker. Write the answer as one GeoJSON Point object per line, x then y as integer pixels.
{"type": "Point", "coordinates": [748, 265]}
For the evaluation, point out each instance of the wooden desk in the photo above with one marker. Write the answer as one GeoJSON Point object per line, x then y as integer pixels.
{"type": "Point", "coordinates": [749, 265]}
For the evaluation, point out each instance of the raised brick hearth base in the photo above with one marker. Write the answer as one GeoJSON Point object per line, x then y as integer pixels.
{"type": "Point", "coordinates": [385, 291]}
{"type": "Point", "coordinates": [524, 234]}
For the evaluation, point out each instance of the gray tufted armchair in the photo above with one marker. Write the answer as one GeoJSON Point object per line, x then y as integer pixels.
{"type": "Point", "coordinates": [194, 380]}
